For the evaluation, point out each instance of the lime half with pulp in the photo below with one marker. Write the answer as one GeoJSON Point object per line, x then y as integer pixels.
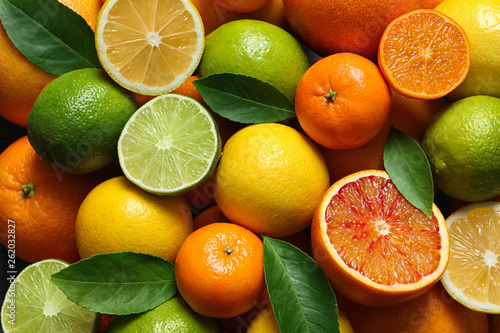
{"type": "Point", "coordinates": [170, 145]}
{"type": "Point", "coordinates": [34, 304]}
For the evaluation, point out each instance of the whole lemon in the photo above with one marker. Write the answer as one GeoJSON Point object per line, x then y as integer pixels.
{"type": "Point", "coordinates": [480, 20]}
{"type": "Point", "coordinates": [257, 49]}
{"type": "Point", "coordinates": [174, 315]}
{"type": "Point", "coordinates": [270, 179]}
{"type": "Point", "coordinates": [462, 144]}
{"type": "Point", "coordinates": [77, 119]}
{"type": "Point", "coordinates": [118, 216]}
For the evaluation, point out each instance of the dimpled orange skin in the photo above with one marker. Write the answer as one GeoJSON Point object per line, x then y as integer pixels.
{"type": "Point", "coordinates": [213, 16]}
{"type": "Point", "coordinates": [44, 225]}
{"type": "Point", "coordinates": [216, 282]}
{"type": "Point", "coordinates": [432, 312]}
{"type": "Point", "coordinates": [357, 112]}
{"type": "Point", "coordinates": [241, 6]}
{"type": "Point", "coordinates": [332, 26]}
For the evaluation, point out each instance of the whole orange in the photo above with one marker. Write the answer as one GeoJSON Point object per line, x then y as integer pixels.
{"type": "Point", "coordinates": [21, 80]}
{"type": "Point", "coordinates": [214, 16]}
{"type": "Point", "coordinates": [434, 311]}
{"type": "Point", "coordinates": [241, 6]}
{"type": "Point", "coordinates": [208, 216]}
{"type": "Point", "coordinates": [39, 205]}
{"type": "Point", "coordinates": [219, 270]}
{"type": "Point", "coordinates": [332, 26]}
{"type": "Point", "coordinates": [342, 101]}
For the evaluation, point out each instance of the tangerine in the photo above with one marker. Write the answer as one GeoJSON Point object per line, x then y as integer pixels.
{"type": "Point", "coordinates": [219, 270]}
{"type": "Point", "coordinates": [39, 205]}
{"type": "Point", "coordinates": [333, 26]}
{"type": "Point", "coordinates": [342, 101]}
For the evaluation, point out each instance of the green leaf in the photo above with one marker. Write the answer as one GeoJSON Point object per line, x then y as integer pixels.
{"type": "Point", "coordinates": [301, 296]}
{"type": "Point", "coordinates": [409, 169]}
{"type": "Point", "coordinates": [118, 283]}
{"type": "Point", "coordinates": [49, 34]}
{"type": "Point", "coordinates": [244, 99]}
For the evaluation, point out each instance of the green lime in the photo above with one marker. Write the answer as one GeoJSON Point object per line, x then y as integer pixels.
{"type": "Point", "coordinates": [257, 49]}
{"type": "Point", "coordinates": [34, 304]}
{"type": "Point", "coordinates": [76, 120]}
{"type": "Point", "coordinates": [463, 147]}
{"type": "Point", "coordinates": [174, 315]}
{"type": "Point", "coordinates": [170, 145]}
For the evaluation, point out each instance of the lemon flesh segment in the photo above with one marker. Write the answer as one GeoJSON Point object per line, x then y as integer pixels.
{"type": "Point", "coordinates": [170, 145]}
{"type": "Point", "coordinates": [150, 47]}
{"type": "Point", "coordinates": [34, 304]}
{"type": "Point", "coordinates": [473, 273]}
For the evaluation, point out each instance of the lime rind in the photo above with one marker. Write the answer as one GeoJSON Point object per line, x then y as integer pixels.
{"type": "Point", "coordinates": [34, 304]}
{"type": "Point", "coordinates": [170, 145]}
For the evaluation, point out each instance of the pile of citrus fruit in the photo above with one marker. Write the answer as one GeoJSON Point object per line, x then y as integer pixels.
{"type": "Point", "coordinates": [196, 131]}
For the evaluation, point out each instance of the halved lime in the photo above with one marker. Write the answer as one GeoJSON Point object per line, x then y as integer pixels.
{"type": "Point", "coordinates": [34, 304]}
{"type": "Point", "coordinates": [169, 145]}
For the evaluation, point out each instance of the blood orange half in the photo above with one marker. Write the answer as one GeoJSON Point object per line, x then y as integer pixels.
{"type": "Point", "coordinates": [374, 246]}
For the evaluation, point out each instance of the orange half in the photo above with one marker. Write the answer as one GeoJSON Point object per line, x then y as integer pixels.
{"type": "Point", "coordinates": [374, 246]}
{"type": "Point", "coordinates": [424, 54]}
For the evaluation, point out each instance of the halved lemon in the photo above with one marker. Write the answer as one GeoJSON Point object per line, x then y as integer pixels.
{"type": "Point", "coordinates": [375, 247]}
{"type": "Point", "coordinates": [150, 47]}
{"type": "Point", "coordinates": [473, 273]}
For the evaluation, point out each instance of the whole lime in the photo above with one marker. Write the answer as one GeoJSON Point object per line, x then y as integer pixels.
{"type": "Point", "coordinates": [174, 315]}
{"type": "Point", "coordinates": [463, 147]}
{"type": "Point", "coordinates": [480, 20]}
{"type": "Point", "coordinates": [77, 119]}
{"type": "Point", "coordinates": [257, 49]}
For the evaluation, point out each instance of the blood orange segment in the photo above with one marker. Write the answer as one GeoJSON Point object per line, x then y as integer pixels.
{"type": "Point", "coordinates": [424, 54]}
{"type": "Point", "coordinates": [374, 246]}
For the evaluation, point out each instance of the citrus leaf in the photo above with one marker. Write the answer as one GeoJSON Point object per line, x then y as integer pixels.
{"type": "Point", "coordinates": [409, 169]}
{"type": "Point", "coordinates": [118, 283]}
{"type": "Point", "coordinates": [301, 296]}
{"type": "Point", "coordinates": [244, 99]}
{"type": "Point", "coordinates": [49, 34]}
